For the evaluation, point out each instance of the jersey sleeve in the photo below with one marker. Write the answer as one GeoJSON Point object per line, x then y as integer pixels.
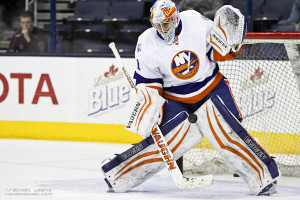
{"type": "Point", "coordinates": [147, 71]}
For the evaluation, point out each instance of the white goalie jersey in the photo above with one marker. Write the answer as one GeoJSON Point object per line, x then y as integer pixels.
{"type": "Point", "coordinates": [185, 71]}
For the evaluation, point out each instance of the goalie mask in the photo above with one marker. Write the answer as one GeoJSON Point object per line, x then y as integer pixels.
{"type": "Point", "coordinates": [165, 19]}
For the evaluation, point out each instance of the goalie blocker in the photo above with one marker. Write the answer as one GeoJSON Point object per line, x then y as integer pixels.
{"type": "Point", "coordinates": [237, 147]}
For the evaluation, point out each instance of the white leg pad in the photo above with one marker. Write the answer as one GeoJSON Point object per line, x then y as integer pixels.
{"type": "Point", "coordinates": [236, 146]}
{"type": "Point", "coordinates": [132, 170]}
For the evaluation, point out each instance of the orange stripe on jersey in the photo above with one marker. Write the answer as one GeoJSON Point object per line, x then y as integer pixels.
{"type": "Point", "coordinates": [159, 89]}
{"type": "Point", "coordinates": [197, 97]}
{"type": "Point", "coordinates": [221, 144]}
{"type": "Point", "coordinates": [219, 57]}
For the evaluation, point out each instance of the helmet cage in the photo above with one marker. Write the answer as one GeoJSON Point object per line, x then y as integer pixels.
{"type": "Point", "coordinates": [165, 19]}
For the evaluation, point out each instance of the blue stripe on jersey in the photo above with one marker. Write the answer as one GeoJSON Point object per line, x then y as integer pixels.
{"type": "Point", "coordinates": [191, 87]}
{"type": "Point", "coordinates": [140, 79]}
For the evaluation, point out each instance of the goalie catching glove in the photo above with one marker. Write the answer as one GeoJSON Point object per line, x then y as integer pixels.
{"type": "Point", "coordinates": [228, 31]}
{"type": "Point", "coordinates": [147, 111]}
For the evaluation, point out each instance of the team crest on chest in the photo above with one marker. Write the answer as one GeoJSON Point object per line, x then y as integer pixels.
{"type": "Point", "coordinates": [185, 64]}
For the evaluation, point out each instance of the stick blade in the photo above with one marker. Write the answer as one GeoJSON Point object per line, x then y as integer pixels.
{"type": "Point", "coordinates": [195, 182]}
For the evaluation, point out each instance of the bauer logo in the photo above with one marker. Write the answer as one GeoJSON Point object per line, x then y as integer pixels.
{"type": "Point", "coordinates": [110, 92]}
{"type": "Point", "coordinates": [185, 65]}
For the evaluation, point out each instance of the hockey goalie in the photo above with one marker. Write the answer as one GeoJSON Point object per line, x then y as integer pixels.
{"type": "Point", "coordinates": [181, 90]}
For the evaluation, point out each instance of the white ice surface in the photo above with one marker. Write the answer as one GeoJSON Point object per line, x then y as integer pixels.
{"type": "Point", "coordinates": [34, 169]}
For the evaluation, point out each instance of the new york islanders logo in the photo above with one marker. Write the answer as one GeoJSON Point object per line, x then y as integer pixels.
{"type": "Point", "coordinates": [185, 65]}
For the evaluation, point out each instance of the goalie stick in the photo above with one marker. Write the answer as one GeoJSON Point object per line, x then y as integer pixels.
{"type": "Point", "coordinates": [181, 181]}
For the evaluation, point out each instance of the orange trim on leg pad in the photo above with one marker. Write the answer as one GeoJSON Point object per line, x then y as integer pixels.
{"type": "Point", "coordinates": [236, 146]}
{"type": "Point", "coordinates": [143, 160]}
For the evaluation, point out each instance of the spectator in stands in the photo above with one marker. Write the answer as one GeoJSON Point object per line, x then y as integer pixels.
{"type": "Point", "coordinates": [294, 17]}
{"type": "Point", "coordinates": [208, 8]}
{"type": "Point", "coordinates": [28, 39]}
